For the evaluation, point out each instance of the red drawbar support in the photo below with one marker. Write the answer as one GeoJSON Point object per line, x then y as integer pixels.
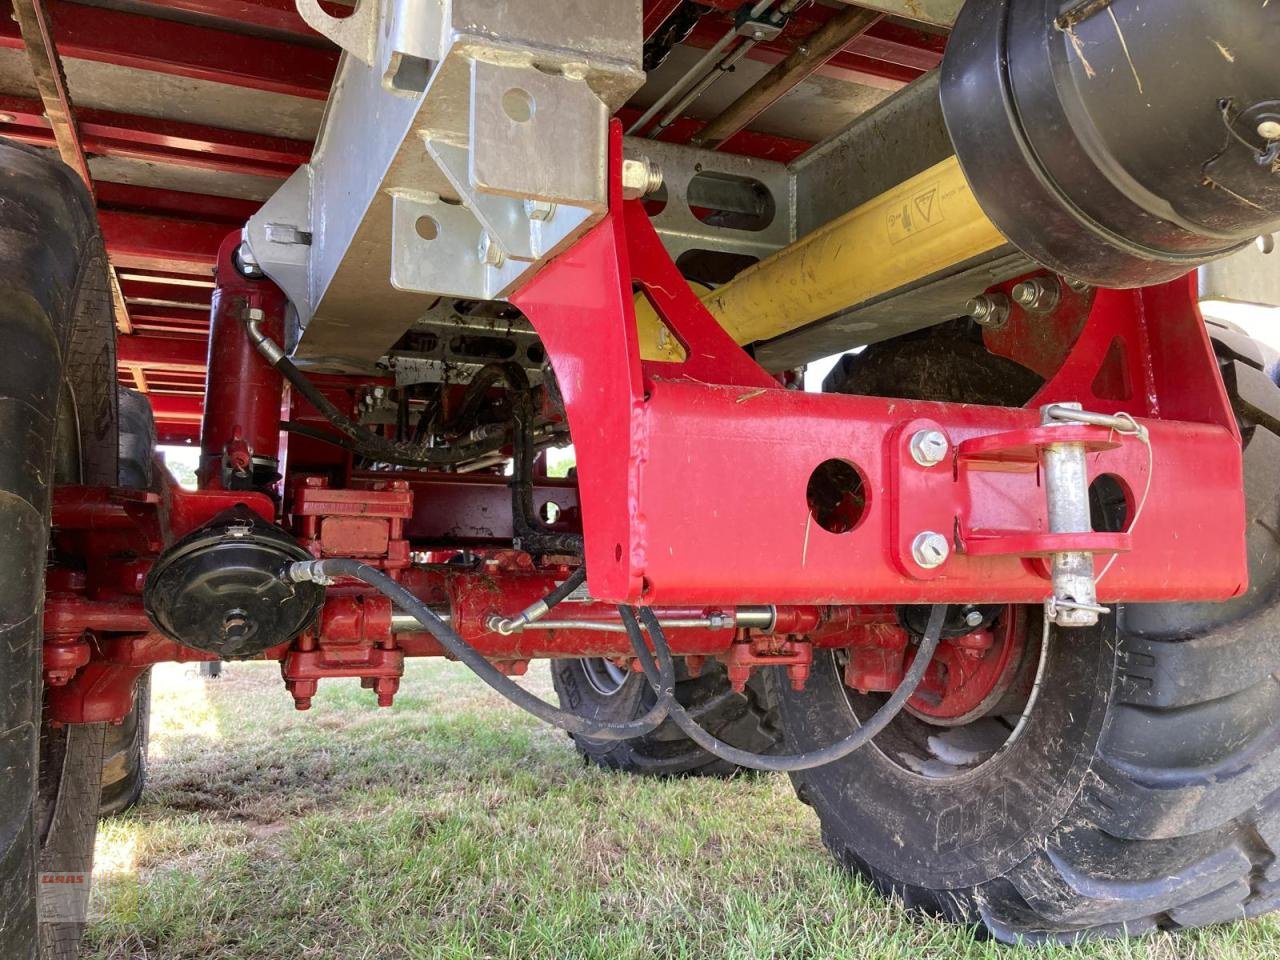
{"type": "Point", "coordinates": [694, 478]}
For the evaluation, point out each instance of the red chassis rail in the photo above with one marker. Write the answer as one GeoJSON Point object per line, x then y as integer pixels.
{"type": "Point", "coordinates": [693, 499]}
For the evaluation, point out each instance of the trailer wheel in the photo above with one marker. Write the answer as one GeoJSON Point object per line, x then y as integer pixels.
{"type": "Point", "coordinates": [597, 688]}
{"type": "Point", "coordinates": [57, 423]}
{"type": "Point", "coordinates": [124, 756]}
{"type": "Point", "coordinates": [1136, 791]}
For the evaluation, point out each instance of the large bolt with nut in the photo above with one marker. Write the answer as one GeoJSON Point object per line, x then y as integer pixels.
{"type": "Point", "coordinates": [1038, 295]}
{"type": "Point", "coordinates": [929, 447]}
{"type": "Point", "coordinates": [930, 550]}
{"type": "Point", "coordinates": [990, 310]}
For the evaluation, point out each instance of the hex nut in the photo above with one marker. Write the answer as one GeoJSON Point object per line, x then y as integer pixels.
{"type": "Point", "coordinates": [990, 310]}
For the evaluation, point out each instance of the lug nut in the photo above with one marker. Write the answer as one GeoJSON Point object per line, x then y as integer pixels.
{"type": "Point", "coordinates": [930, 550]}
{"type": "Point", "coordinates": [990, 310]}
{"type": "Point", "coordinates": [929, 447]}
{"type": "Point", "coordinates": [1038, 295]}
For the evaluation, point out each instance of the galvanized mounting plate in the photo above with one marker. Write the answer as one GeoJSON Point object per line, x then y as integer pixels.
{"type": "Point", "coordinates": [482, 107]}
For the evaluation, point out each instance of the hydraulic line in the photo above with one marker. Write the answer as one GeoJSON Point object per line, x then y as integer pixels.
{"type": "Point", "coordinates": [364, 441]}
{"type": "Point", "coordinates": [323, 571]}
{"type": "Point", "coordinates": [661, 675]}
{"type": "Point", "coordinates": [798, 761]}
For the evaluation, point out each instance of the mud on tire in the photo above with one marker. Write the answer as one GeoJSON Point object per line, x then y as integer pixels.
{"type": "Point", "coordinates": [57, 422]}
{"type": "Point", "coordinates": [1143, 791]}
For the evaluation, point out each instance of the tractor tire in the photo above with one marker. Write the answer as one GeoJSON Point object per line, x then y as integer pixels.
{"type": "Point", "coordinates": [124, 761]}
{"type": "Point", "coordinates": [597, 689]}
{"type": "Point", "coordinates": [124, 754]}
{"type": "Point", "coordinates": [57, 424]}
{"type": "Point", "coordinates": [1142, 790]}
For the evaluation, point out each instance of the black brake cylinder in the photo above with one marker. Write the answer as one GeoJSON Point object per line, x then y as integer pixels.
{"type": "Point", "coordinates": [1119, 142]}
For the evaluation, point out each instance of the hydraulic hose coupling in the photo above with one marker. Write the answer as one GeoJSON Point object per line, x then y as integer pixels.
{"type": "Point", "coordinates": [307, 571]}
{"type": "Point", "coordinates": [509, 625]}
{"type": "Point", "coordinates": [253, 317]}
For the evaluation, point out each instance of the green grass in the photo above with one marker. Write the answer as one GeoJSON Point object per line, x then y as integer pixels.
{"type": "Point", "coordinates": [454, 826]}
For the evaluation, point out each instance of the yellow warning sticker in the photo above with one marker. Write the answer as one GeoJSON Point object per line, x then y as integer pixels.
{"type": "Point", "coordinates": [920, 211]}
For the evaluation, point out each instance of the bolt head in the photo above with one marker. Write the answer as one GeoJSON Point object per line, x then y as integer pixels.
{"type": "Point", "coordinates": [973, 618]}
{"type": "Point", "coordinates": [540, 210]}
{"type": "Point", "coordinates": [930, 550]}
{"type": "Point", "coordinates": [1269, 129]}
{"type": "Point", "coordinates": [929, 447]}
{"type": "Point", "coordinates": [489, 252]}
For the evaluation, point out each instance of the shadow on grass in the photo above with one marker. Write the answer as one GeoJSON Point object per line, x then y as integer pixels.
{"type": "Point", "coordinates": [452, 825]}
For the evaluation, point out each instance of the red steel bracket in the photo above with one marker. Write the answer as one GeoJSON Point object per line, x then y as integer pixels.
{"type": "Point", "coordinates": [693, 477]}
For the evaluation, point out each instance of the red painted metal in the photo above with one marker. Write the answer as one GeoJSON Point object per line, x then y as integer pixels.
{"type": "Point", "coordinates": [277, 16]}
{"type": "Point", "coordinates": [109, 134]}
{"type": "Point", "coordinates": [367, 522]}
{"type": "Point", "coordinates": [709, 503]}
{"type": "Point", "coordinates": [656, 13]}
{"type": "Point", "coordinates": [970, 675]}
{"type": "Point", "coordinates": [746, 143]}
{"type": "Point", "coordinates": [474, 509]}
{"type": "Point", "coordinates": [745, 656]}
{"type": "Point", "coordinates": [177, 203]}
{"type": "Point", "coordinates": [244, 393]}
{"type": "Point", "coordinates": [163, 353]}
{"type": "Point", "coordinates": [183, 49]}
{"type": "Point", "coordinates": [165, 244]}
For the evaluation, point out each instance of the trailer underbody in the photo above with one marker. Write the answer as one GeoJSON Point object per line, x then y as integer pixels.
{"type": "Point", "coordinates": [1035, 491]}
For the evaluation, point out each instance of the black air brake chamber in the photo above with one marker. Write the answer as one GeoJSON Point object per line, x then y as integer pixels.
{"type": "Point", "coordinates": [1119, 142]}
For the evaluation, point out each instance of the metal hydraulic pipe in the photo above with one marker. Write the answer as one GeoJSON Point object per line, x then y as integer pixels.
{"type": "Point", "coordinates": [787, 74]}
{"type": "Point", "coordinates": [745, 617]}
{"type": "Point", "coordinates": [696, 74]}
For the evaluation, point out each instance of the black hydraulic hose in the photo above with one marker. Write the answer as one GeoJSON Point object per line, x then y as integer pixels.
{"type": "Point", "coordinates": [574, 581]}
{"type": "Point", "coordinates": [798, 761]}
{"type": "Point", "coordinates": [530, 532]}
{"type": "Point", "coordinates": [448, 638]}
{"type": "Point", "coordinates": [366, 442]}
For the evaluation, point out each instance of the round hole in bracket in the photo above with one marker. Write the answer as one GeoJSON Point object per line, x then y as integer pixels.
{"type": "Point", "coordinates": [426, 228]}
{"type": "Point", "coordinates": [837, 496]}
{"type": "Point", "coordinates": [550, 512]}
{"type": "Point", "coordinates": [517, 104]}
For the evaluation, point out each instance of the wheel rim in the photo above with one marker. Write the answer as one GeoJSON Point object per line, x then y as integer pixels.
{"type": "Point", "coordinates": [605, 676]}
{"type": "Point", "coordinates": [937, 748]}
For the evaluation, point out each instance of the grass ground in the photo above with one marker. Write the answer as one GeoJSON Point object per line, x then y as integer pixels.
{"type": "Point", "coordinates": [454, 826]}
